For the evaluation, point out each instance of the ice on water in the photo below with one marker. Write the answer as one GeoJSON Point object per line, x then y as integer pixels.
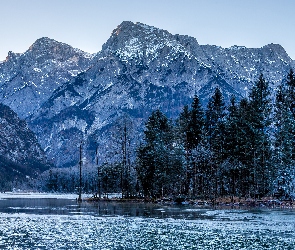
{"type": "Point", "coordinates": [205, 229]}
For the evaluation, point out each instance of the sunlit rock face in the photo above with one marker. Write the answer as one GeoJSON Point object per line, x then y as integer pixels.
{"type": "Point", "coordinates": [139, 69]}
{"type": "Point", "coordinates": [21, 156]}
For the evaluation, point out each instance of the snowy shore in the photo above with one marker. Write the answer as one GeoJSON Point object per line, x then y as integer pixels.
{"type": "Point", "coordinates": [32, 195]}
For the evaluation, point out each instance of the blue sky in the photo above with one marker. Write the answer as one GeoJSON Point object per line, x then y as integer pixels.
{"type": "Point", "coordinates": [87, 24]}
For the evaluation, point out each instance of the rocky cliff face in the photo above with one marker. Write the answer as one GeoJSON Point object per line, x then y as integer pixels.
{"type": "Point", "coordinates": [176, 58]}
{"type": "Point", "coordinates": [140, 68]}
{"type": "Point", "coordinates": [27, 80]}
{"type": "Point", "coordinates": [21, 156]}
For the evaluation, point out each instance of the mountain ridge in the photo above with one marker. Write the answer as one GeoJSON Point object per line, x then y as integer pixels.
{"type": "Point", "coordinates": [38, 72]}
{"type": "Point", "coordinates": [140, 68]}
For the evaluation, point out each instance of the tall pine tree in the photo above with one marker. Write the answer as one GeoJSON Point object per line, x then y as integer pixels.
{"type": "Point", "coordinates": [260, 104]}
{"type": "Point", "coordinates": [284, 143]}
{"type": "Point", "coordinates": [215, 133]}
{"type": "Point", "coordinates": [158, 160]}
{"type": "Point", "coordinates": [191, 130]}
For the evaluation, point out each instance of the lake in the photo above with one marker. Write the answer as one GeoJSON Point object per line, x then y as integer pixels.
{"type": "Point", "coordinates": [58, 222]}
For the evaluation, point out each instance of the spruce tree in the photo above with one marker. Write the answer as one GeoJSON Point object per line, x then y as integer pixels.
{"type": "Point", "coordinates": [190, 129]}
{"type": "Point", "coordinates": [260, 104]}
{"type": "Point", "coordinates": [196, 144]}
{"type": "Point", "coordinates": [284, 144]}
{"type": "Point", "coordinates": [182, 130]}
{"type": "Point", "coordinates": [183, 124]}
{"type": "Point", "coordinates": [158, 161]}
{"type": "Point", "coordinates": [290, 88]}
{"type": "Point", "coordinates": [196, 124]}
{"type": "Point", "coordinates": [232, 146]}
{"type": "Point", "coordinates": [246, 137]}
{"type": "Point", "coordinates": [232, 131]}
{"type": "Point", "coordinates": [215, 117]}
{"type": "Point", "coordinates": [215, 132]}
{"type": "Point", "coordinates": [239, 147]}
{"type": "Point", "coordinates": [288, 91]}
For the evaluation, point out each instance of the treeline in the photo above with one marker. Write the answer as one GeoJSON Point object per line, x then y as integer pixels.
{"type": "Point", "coordinates": [245, 149]}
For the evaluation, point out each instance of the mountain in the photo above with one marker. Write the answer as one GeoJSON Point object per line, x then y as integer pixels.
{"type": "Point", "coordinates": [21, 156]}
{"type": "Point", "coordinates": [27, 80]}
{"type": "Point", "coordinates": [139, 69]}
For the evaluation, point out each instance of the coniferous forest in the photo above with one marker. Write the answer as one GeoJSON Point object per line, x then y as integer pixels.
{"type": "Point", "coordinates": [245, 148]}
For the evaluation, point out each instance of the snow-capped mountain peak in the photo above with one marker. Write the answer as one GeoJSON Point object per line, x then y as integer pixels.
{"type": "Point", "coordinates": [67, 95]}
{"type": "Point", "coordinates": [136, 40]}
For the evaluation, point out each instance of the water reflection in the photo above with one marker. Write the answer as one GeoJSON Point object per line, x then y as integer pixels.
{"type": "Point", "coordinates": [103, 208]}
{"type": "Point", "coordinates": [53, 206]}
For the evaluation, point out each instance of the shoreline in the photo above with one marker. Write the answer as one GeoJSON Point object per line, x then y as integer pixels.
{"type": "Point", "coordinates": [248, 204]}
{"type": "Point", "coordinates": [220, 203]}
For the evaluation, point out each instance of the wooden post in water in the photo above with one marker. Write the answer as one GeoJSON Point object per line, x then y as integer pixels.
{"type": "Point", "coordinates": [80, 181]}
{"type": "Point", "coordinates": [98, 174]}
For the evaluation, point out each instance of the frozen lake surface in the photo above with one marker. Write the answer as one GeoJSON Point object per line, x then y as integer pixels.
{"type": "Point", "coordinates": [58, 222]}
